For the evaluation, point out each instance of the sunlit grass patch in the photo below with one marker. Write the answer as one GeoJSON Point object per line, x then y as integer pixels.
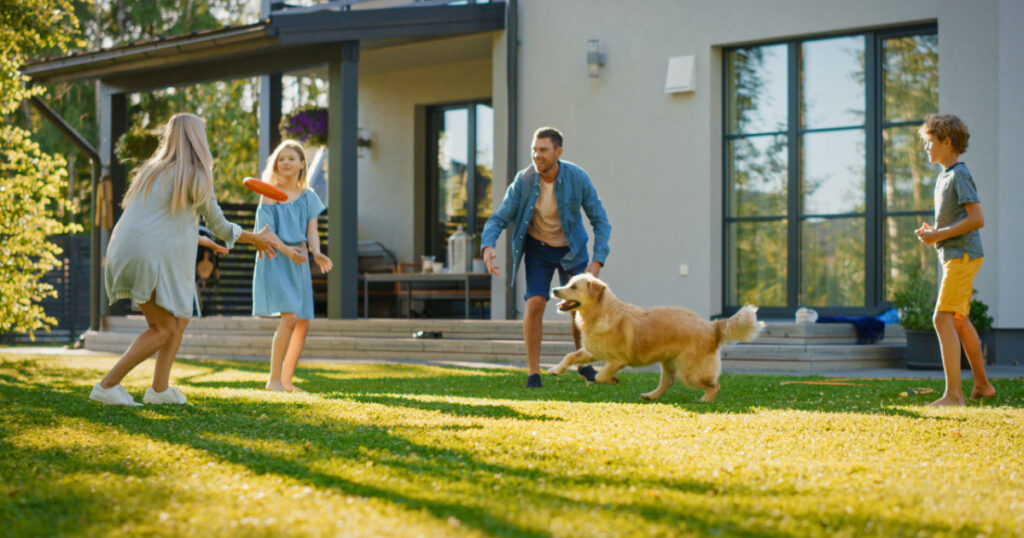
{"type": "Point", "coordinates": [385, 449]}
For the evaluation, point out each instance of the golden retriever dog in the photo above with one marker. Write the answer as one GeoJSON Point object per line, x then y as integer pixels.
{"type": "Point", "coordinates": [623, 335]}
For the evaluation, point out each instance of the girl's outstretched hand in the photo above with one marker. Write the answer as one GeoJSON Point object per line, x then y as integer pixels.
{"type": "Point", "coordinates": [295, 254]}
{"type": "Point", "coordinates": [212, 245]}
{"type": "Point", "coordinates": [323, 262]}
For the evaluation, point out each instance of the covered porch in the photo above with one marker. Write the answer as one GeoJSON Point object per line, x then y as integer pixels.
{"type": "Point", "coordinates": [388, 65]}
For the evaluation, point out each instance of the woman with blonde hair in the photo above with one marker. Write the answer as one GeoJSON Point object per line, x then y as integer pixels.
{"type": "Point", "coordinates": [151, 256]}
{"type": "Point", "coordinates": [280, 288]}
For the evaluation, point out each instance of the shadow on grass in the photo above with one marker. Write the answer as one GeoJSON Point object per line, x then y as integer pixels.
{"type": "Point", "coordinates": [225, 428]}
{"type": "Point", "coordinates": [741, 393]}
{"type": "Point", "coordinates": [213, 428]}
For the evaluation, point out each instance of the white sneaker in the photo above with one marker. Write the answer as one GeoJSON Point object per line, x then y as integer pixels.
{"type": "Point", "coordinates": [115, 395]}
{"type": "Point", "coordinates": [169, 396]}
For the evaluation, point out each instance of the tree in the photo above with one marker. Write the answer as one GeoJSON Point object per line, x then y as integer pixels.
{"type": "Point", "coordinates": [30, 179]}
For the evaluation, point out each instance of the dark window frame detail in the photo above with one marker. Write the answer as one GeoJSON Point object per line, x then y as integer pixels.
{"type": "Point", "coordinates": [874, 168]}
{"type": "Point", "coordinates": [432, 244]}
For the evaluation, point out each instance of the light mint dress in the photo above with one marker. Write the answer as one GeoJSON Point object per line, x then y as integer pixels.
{"type": "Point", "coordinates": [152, 249]}
{"type": "Point", "coordinates": [281, 285]}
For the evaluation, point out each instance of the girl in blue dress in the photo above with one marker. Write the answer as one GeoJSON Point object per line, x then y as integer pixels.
{"type": "Point", "coordinates": [286, 289]}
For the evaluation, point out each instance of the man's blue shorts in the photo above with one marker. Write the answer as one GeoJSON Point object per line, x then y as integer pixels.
{"type": "Point", "coordinates": [541, 262]}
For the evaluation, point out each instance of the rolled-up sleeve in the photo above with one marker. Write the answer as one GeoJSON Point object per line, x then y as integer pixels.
{"type": "Point", "coordinates": [220, 227]}
{"type": "Point", "coordinates": [598, 220]}
{"type": "Point", "coordinates": [500, 219]}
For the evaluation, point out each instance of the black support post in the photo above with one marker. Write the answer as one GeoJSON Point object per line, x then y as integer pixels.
{"type": "Point", "coordinates": [270, 116]}
{"type": "Point", "coordinates": [343, 182]}
{"type": "Point", "coordinates": [113, 123]}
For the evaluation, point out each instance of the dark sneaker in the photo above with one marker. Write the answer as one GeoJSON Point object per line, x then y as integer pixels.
{"type": "Point", "coordinates": [533, 382]}
{"type": "Point", "coordinates": [587, 373]}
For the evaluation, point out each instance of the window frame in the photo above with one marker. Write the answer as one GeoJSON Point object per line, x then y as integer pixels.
{"type": "Point", "coordinates": [875, 211]}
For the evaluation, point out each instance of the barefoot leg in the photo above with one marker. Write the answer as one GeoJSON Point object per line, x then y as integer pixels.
{"type": "Point", "coordinates": [972, 348]}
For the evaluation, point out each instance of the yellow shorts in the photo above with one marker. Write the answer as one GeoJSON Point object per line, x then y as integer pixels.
{"type": "Point", "coordinates": [957, 285]}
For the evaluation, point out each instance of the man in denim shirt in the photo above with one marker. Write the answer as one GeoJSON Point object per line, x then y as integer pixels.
{"type": "Point", "coordinates": [543, 207]}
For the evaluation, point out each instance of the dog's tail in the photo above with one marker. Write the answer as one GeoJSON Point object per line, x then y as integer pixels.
{"type": "Point", "coordinates": [742, 326]}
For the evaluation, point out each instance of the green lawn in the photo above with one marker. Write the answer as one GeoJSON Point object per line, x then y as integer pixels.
{"type": "Point", "coordinates": [392, 450]}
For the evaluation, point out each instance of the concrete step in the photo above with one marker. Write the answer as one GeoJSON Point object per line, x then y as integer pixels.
{"type": "Point", "coordinates": [780, 346]}
{"type": "Point", "coordinates": [772, 332]}
{"type": "Point", "coordinates": [341, 347]}
{"type": "Point", "coordinates": [450, 328]}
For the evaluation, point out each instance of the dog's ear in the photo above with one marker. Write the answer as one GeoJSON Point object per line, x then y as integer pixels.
{"type": "Point", "coordinates": [596, 289]}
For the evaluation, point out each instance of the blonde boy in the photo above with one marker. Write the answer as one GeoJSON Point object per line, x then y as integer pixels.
{"type": "Point", "coordinates": [958, 218]}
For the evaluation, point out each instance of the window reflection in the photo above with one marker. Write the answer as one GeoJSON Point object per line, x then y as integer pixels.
{"type": "Point", "coordinates": [832, 261]}
{"type": "Point", "coordinates": [757, 176]}
{"type": "Point", "coordinates": [756, 90]}
{"type": "Point", "coordinates": [484, 166]}
{"type": "Point", "coordinates": [909, 177]}
{"type": "Point", "coordinates": [757, 263]}
{"type": "Point", "coordinates": [833, 82]}
{"type": "Point", "coordinates": [833, 172]}
{"type": "Point", "coordinates": [830, 175]}
{"type": "Point", "coordinates": [449, 189]}
{"type": "Point", "coordinates": [910, 70]}
{"type": "Point", "coordinates": [904, 258]}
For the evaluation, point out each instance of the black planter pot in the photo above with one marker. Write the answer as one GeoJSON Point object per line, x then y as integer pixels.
{"type": "Point", "coordinates": [923, 352]}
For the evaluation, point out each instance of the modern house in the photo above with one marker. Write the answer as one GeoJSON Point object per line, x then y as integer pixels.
{"type": "Point", "coordinates": [745, 151]}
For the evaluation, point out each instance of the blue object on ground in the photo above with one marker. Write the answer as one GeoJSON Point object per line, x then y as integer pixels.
{"type": "Point", "coordinates": [890, 316]}
{"type": "Point", "coordinates": [869, 329]}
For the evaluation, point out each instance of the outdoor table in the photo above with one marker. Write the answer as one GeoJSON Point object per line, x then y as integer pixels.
{"type": "Point", "coordinates": [409, 279]}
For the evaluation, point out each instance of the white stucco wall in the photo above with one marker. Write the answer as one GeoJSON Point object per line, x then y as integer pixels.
{"type": "Point", "coordinates": [1004, 241]}
{"type": "Point", "coordinates": [656, 159]}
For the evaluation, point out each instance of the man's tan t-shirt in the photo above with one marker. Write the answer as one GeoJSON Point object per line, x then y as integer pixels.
{"type": "Point", "coordinates": [544, 225]}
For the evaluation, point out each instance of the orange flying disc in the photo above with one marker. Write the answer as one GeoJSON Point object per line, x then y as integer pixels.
{"type": "Point", "coordinates": [266, 189]}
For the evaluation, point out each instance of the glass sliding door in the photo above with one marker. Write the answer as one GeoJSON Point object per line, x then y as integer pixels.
{"type": "Point", "coordinates": [461, 162]}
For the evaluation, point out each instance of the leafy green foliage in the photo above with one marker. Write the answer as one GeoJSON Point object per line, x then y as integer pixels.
{"type": "Point", "coordinates": [385, 449]}
{"type": "Point", "coordinates": [136, 145]}
{"type": "Point", "coordinates": [979, 315]}
{"type": "Point", "coordinates": [915, 297]}
{"type": "Point", "coordinates": [30, 191]}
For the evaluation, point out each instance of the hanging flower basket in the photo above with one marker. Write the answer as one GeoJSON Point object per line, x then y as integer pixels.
{"type": "Point", "coordinates": [307, 125]}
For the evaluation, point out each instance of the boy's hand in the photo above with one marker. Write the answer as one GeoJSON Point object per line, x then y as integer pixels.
{"type": "Point", "coordinates": [323, 262]}
{"type": "Point", "coordinates": [927, 234]}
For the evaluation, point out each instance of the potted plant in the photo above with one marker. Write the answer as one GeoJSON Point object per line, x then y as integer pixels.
{"type": "Point", "coordinates": [914, 297]}
{"type": "Point", "coordinates": [983, 324]}
{"type": "Point", "coordinates": [306, 124]}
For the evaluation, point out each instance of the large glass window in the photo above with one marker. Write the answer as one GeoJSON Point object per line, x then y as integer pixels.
{"type": "Point", "coordinates": [461, 155]}
{"type": "Point", "coordinates": [824, 175]}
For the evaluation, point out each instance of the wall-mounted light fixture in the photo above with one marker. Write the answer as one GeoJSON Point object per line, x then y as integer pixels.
{"type": "Point", "coordinates": [362, 141]}
{"type": "Point", "coordinates": [594, 58]}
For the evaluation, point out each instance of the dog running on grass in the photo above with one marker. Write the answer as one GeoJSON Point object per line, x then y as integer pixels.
{"type": "Point", "coordinates": [621, 334]}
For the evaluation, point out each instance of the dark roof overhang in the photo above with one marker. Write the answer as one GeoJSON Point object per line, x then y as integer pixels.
{"type": "Point", "coordinates": [287, 41]}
